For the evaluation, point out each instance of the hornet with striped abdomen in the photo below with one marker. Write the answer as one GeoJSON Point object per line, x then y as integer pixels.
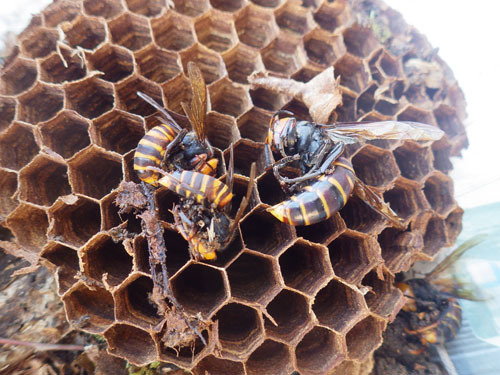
{"type": "Point", "coordinates": [326, 179]}
{"type": "Point", "coordinates": [172, 148]}
{"type": "Point", "coordinates": [202, 214]}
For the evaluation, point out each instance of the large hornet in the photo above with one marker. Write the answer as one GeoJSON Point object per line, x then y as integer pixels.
{"type": "Point", "coordinates": [202, 214]}
{"type": "Point", "coordinates": [327, 179]}
{"type": "Point", "coordinates": [168, 146]}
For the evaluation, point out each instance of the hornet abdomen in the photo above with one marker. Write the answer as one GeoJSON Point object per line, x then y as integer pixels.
{"type": "Point", "coordinates": [198, 186]}
{"type": "Point", "coordinates": [319, 200]}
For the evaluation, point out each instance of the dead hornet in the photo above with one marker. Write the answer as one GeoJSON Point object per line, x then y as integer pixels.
{"type": "Point", "coordinates": [202, 214]}
{"type": "Point", "coordinates": [326, 178]}
{"type": "Point", "coordinates": [170, 147]}
{"type": "Point", "coordinates": [432, 313]}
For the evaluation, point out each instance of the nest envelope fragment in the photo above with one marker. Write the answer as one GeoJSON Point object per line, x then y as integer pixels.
{"type": "Point", "coordinates": [68, 131]}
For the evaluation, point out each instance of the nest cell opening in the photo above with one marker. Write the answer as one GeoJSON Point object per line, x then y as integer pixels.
{"type": "Point", "coordinates": [90, 309]}
{"type": "Point", "coordinates": [364, 338]}
{"type": "Point", "coordinates": [98, 8]}
{"type": "Point", "coordinates": [252, 278]}
{"type": "Point", "coordinates": [116, 63]}
{"type": "Point", "coordinates": [413, 161]}
{"type": "Point", "coordinates": [148, 8]}
{"type": "Point", "coordinates": [129, 342]}
{"type": "Point", "coordinates": [75, 223]}
{"type": "Point", "coordinates": [256, 27]}
{"type": "Point", "coordinates": [376, 167]}
{"type": "Point", "coordinates": [216, 31]}
{"type": "Point", "coordinates": [338, 306]}
{"type": "Point", "coordinates": [199, 289]}
{"type": "Point", "coordinates": [221, 130]}
{"type": "Point", "coordinates": [55, 14]}
{"type": "Point", "coordinates": [267, 99]}
{"type": "Point", "coordinates": [118, 131]}
{"type": "Point", "coordinates": [29, 224]}
{"type": "Point", "coordinates": [214, 365]}
{"type": "Point", "coordinates": [254, 124]}
{"type": "Point", "coordinates": [270, 358]}
{"type": "Point", "coordinates": [291, 311]}
{"type": "Point", "coordinates": [329, 16]}
{"type": "Point", "coordinates": [173, 31]}
{"type": "Point", "coordinates": [210, 62]}
{"type": "Point", "coordinates": [191, 8]}
{"type": "Point", "coordinates": [305, 266]}
{"type": "Point", "coordinates": [130, 31]}
{"type": "Point", "coordinates": [17, 147]}
{"type": "Point", "coordinates": [229, 98]}
{"type": "Point", "coordinates": [40, 42]}
{"type": "Point", "coordinates": [435, 237]}
{"type": "Point", "coordinates": [353, 73]}
{"type": "Point", "coordinates": [157, 64]}
{"type": "Point", "coordinates": [7, 111]}
{"type": "Point", "coordinates": [242, 61]}
{"type": "Point", "coordinates": [129, 101]}
{"type": "Point", "coordinates": [66, 259]}
{"type": "Point", "coordinates": [240, 327]}
{"type": "Point", "coordinates": [18, 77]}
{"type": "Point", "coordinates": [361, 217]}
{"type": "Point", "coordinates": [104, 257]}
{"type": "Point", "coordinates": [54, 71]}
{"type": "Point", "coordinates": [86, 32]}
{"type": "Point", "coordinates": [323, 48]}
{"type": "Point", "coordinates": [177, 251]}
{"type": "Point", "coordinates": [323, 232]}
{"type": "Point", "coordinates": [90, 98]}
{"type": "Point", "coordinates": [383, 295]}
{"type": "Point", "coordinates": [438, 190]}
{"type": "Point", "coordinates": [43, 181]}
{"type": "Point", "coordinates": [283, 56]}
{"type": "Point", "coordinates": [8, 181]}
{"type": "Point", "coordinates": [360, 41]}
{"type": "Point", "coordinates": [40, 103]}
{"type": "Point", "coordinates": [319, 351]}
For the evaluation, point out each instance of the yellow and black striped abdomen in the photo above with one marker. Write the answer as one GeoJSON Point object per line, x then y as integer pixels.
{"type": "Point", "coordinates": [446, 326]}
{"type": "Point", "coordinates": [196, 185]}
{"type": "Point", "coordinates": [150, 151]}
{"type": "Point", "coordinates": [320, 200]}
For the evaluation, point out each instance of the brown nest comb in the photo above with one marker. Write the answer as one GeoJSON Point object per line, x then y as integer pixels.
{"type": "Point", "coordinates": [70, 120]}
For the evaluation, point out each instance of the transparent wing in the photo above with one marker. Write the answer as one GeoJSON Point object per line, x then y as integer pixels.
{"type": "Point", "coordinates": [198, 108]}
{"type": "Point", "coordinates": [352, 132]}
{"type": "Point", "coordinates": [166, 116]}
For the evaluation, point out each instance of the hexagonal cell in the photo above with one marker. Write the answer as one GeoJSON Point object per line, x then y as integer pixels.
{"type": "Point", "coordinates": [227, 5]}
{"type": "Point", "coordinates": [442, 153]}
{"type": "Point", "coordinates": [386, 107]}
{"type": "Point", "coordinates": [214, 365]}
{"type": "Point", "coordinates": [43, 181]}
{"type": "Point", "coordinates": [67, 224]}
{"type": "Point", "coordinates": [330, 16]}
{"type": "Point", "coordinates": [347, 112]}
{"type": "Point", "coordinates": [29, 225]}
{"type": "Point", "coordinates": [177, 90]}
{"type": "Point", "coordinates": [118, 131]}
{"type": "Point", "coordinates": [245, 153]}
{"type": "Point", "coordinates": [291, 311]}
{"type": "Point", "coordinates": [132, 343]}
{"type": "Point", "coordinates": [40, 103]}
{"type": "Point", "coordinates": [66, 261]}
{"type": "Point", "coordinates": [66, 134]}
{"type": "Point", "coordinates": [116, 63]}
{"type": "Point", "coordinates": [200, 289]}
{"type": "Point", "coordinates": [54, 71]}
{"type": "Point", "coordinates": [353, 255]}
{"type": "Point", "coordinates": [438, 190]}
{"type": "Point", "coordinates": [221, 130]}
{"type": "Point", "coordinates": [90, 310]}
{"type": "Point", "coordinates": [284, 55]}
{"type": "Point", "coordinates": [305, 267]}
{"type": "Point", "coordinates": [268, 99]}
{"type": "Point", "coordinates": [406, 199]}
{"type": "Point", "coordinates": [94, 173]}
{"type": "Point", "coordinates": [210, 63]}
{"type": "Point", "coordinates": [319, 351]}
{"type": "Point", "coordinates": [262, 232]}
{"type": "Point", "coordinates": [308, 72]}
{"type": "Point", "coordinates": [103, 258]}
{"type": "Point", "coordinates": [389, 65]}
{"type": "Point", "coordinates": [360, 41]}
{"type": "Point", "coordinates": [91, 97]}
{"type": "Point", "coordinates": [8, 182]}
{"type": "Point", "coordinates": [376, 167]}
{"type": "Point", "coordinates": [323, 232]}
{"type": "Point", "coordinates": [86, 32]}
{"type": "Point", "coordinates": [416, 114]}
{"type": "Point", "coordinates": [177, 251]}
{"type": "Point", "coordinates": [267, 3]}
{"type": "Point", "coordinates": [383, 299]}
{"type": "Point", "coordinates": [254, 124]}
{"type": "Point", "coordinates": [39, 42]}
{"type": "Point", "coordinates": [7, 111]}
{"type": "Point", "coordinates": [291, 16]}
{"type": "Point", "coordinates": [353, 73]}
{"type": "Point", "coordinates": [108, 9]}
{"type": "Point", "coordinates": [18, 76]}
{"type": "Point", "coordinates": [241, 61]}
{"type": "Point", "coordinates": [216, 31]}
{"type": "Point", "coordinates": [435, 236]}
{"type": "Point", "coordinates": [454, 224]}
{"type": "Point", "coordinates": [240, 328]}
{"type": "Point", "coordinates": [366, 101]}
{"type": "Point", "coordinates": [17, 146]}
{"type": "Point", "coordinates": [229, 98]}
{"type": "Point", "coordinates": [256, 27]}
{"type": "Point", "coordinates": [57, 13]}
{"type": "Point", "coordinates": [111, 218]}
{"type": "Point", "coordinates": [157, 64]}
{"type": "Point", "coordinates": [184, 353]}
{"type": "Point", "coordinates": [323, 48]}
{"type": "Point", "coordinates": [127, 95]}
{"type": "Point", "coordinates": [252, 278]}
{"type": "Point", "coordinates": [299, 109]}
{"type": "Point", "coordinates": [191, 8]}
{"type": "Point", "coordinates": [449, 121]}
{"type": "Point", "coordinates": [414, 161]}
{"type": "Point", "coordinates": [399, 248]}
{"type": "Point", "coordinates": [173, 31]}
{"type": "Point", "coordinates": [364, 338]}
{"type": "Point", "coordinates": [331, 309]}
{"type": "Point", "coordinates": [130, 31]}
{"type": "Point", "coordinates": [133, 304]}
{"type": "Point", "coordinates": [271, 358]}
{"type": "Point", "coordinates": [147, 8]}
